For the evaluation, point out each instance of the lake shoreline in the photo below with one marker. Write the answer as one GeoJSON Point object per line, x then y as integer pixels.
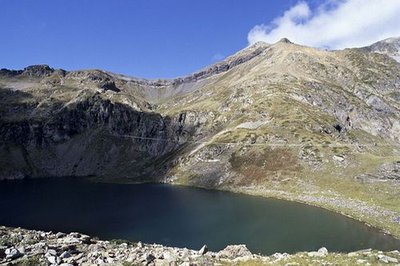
{"type": "Point", "coordinates": [385, 225]}
{"type": "Point", "coordinates": [327, 205]}
{"type": "Point", "coordinates": [30, 247]}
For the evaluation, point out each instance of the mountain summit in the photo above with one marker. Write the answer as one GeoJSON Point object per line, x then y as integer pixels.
{"type": "Point", "coordinates": [390, 47]}
{"type": "Point", "coordinates": [279, 120]}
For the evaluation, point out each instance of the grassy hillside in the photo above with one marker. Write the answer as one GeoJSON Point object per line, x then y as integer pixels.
{"type": "Point", "coordinates": [281, 120]}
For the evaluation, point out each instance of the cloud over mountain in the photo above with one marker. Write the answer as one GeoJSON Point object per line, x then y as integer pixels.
{"type": "Point", "coordinates": [333, 24]}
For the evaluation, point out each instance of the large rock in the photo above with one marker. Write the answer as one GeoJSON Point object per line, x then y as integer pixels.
{"type": "Point", "coordinates": [150, 258]}
{"type": "Point", "coordinates": [387, 259]}
{"type": "Point", "coordinates": [234, 251]}
{"type": "Point", "coordinates": [65, 254]}
{"type": "Point", "coordinates": [322, 252]}
{"type": "Point", "coordinates": [203, 250]}
{"type": "Point", "coordinates": [12, 253]}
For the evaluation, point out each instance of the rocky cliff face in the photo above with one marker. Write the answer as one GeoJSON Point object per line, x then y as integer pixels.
{"type": "Point", "coordinates": [55, 123]}
{"type": "Point", "coordinates": [274, 119]}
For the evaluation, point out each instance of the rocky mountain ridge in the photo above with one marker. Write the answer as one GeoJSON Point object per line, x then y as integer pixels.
{"type": "Point", "coordinates": [280, 120]}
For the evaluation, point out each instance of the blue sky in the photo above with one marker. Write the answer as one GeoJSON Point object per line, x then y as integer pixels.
{"type": "Point", "coordinates": [145, 38]}
{"type": "Point", "coordinates": [151, 38]}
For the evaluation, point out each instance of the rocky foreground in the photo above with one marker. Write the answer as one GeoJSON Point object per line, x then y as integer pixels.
{"type": "Point", "coordinates": [27, 247]}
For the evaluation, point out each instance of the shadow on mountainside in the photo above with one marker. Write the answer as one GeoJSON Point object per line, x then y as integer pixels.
{"type": "Point", "coordinates": [89, 137]}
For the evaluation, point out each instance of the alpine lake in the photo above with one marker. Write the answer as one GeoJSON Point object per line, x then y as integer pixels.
{"type": "Point", "coordinates": [181, 216]}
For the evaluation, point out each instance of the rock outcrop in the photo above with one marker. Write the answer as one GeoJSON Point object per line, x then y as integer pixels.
{"type": "Point", "coordinates": [28, 247]}
{"type": "Point", "coordinates": [389, 46]}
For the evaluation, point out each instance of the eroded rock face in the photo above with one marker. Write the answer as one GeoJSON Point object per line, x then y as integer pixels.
{"type": "Point", "coordinates": [389, 171]}
{"type": "Point", "coordinates": [89, 126]}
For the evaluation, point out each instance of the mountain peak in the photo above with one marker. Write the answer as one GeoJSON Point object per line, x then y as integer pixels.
{"type": "Point", "coordinates": [38, 71]}
{"type": "Point", "coordinates": [389, 46]}
{"type": "Point", "coordinates": [392, 40]}
{"type": "Point", "coordinates": [284, 40]}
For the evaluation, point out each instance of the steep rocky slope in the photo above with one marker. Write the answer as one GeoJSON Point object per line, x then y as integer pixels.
{"type": "Point", "coordinates": [278, 120]}
{"type": "Point", "coordinates": [390, 47]}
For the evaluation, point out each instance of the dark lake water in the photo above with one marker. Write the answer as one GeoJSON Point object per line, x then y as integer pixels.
{"type": "Point", "coordinates": [181, 216]}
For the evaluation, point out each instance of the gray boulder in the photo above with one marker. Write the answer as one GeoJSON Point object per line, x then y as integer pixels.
{"type": "Point", "coordinates": [234, 251]}
{"type": "Point", "coordinates": [13, 253]}
{"type": "Point", "coordinates": [322, 252]}
{"type": "Point", "coordinates": [65, 254]}
{"type": "Point", "coordinates": [150, 258]}
{"type": "Point", "coordinates": [60, 235]}
{"type": "Point", "coordinates": [387, 259]}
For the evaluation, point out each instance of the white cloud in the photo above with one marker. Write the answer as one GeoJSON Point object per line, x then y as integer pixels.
{"type": "Point", "coordinates": [333, 24]}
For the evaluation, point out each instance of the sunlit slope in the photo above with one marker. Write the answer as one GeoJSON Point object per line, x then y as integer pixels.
{"type": "Point", "coordinates": [304, 124]}
{"type": "Point", "coordinates": [279, 119]}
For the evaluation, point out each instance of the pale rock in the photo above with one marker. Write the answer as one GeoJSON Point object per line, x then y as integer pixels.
{"type": "Point", "coordinates": [387, 259]}
{"type": "Point", "coordinates": [280, 256]}
{"type": "Point", "coordinates": [185, 254]}
{"type": "Point", "coordinates": [75, 234]}
{"type": "Point", "coordinates": [51, 252]}
{"type": "Point", "coordinates": [352, 254]}
{"type": "Point", "coordinates": [131, 258]}
{"type": "Point", "coordinates": [100, 261]}
{"type": "Point", "coordinates": [71, 240]}
{"type": "Point", "coordinates": [160, 262]}
{"type": "Point", "coordinates": [322, 252]}
{"type": "Point", "coordinates": [85, 239]}
{"type": "Point", "coordinates": [234, 251]}
{"type": "Point", "coordinates": [169, 256]}
{"type": "Point", "coordinates": [243, 258]}
{"type": "Point", "coordinates": [12, 253]}
{"type": "Point", "coordinates": [21, 249]}
{"type": "Point", "coordinates": [123, 245]}
{"type": "Point", "coordinates": [203, 250]}
{"type": "Point", "coordinates": [338, 158]}
{"type": "Point", "coordinates": [65, 254]}
{"type": "Point", "coordinates": [60, 235]}
{"type": "Point", "coordinates": [52, 259]}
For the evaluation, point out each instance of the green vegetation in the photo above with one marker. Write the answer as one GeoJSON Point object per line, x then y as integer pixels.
{"type": "Point", "coordinates": [31, 261]}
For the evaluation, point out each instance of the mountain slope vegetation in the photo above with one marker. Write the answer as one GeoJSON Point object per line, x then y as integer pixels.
{"type": "Point", "coordinates": [280, 120]}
